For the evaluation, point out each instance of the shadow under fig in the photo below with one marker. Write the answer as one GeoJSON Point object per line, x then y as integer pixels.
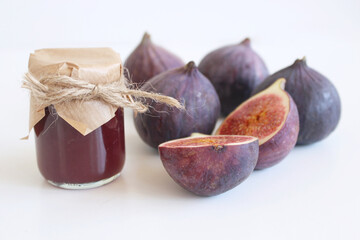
{"type": "Point", "coordinates": [154, 181]}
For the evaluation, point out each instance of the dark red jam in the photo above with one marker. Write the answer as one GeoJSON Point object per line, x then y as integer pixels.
{"type": "Point", "coordinates": [66, 156]}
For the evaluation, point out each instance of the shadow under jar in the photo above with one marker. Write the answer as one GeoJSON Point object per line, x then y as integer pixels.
{"type": "Point", "coordinates": [67, 159]}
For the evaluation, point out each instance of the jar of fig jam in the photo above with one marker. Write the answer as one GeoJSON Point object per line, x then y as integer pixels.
{"type": "Point", "coordinates": [79, 134]}
{"type": "Point", "coordinates": [68, 159]}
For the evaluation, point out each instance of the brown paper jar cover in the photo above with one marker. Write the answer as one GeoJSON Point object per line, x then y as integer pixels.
{"type": "Point", "coordinates": [93, 65]}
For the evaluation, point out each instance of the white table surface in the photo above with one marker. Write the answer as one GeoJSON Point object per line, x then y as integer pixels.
{"type": "Point", "coordinates": [313, 194]}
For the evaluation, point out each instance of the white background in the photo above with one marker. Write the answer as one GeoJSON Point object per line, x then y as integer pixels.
{"type": "Point", "coordinates": [312, 194]}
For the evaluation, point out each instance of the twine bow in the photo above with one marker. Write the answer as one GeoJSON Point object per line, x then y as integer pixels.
{"type": "Point", "coordinates": [60, 89]}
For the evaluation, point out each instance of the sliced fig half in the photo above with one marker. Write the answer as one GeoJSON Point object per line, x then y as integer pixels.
{"type": "Point", "coordinates": [210, 165]}
{"type": "Point", "coordinates": [272, 117]}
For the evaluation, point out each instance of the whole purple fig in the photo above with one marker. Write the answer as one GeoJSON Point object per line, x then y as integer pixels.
{"type": "Point", "coordinates": [148, 60]}
{"type": "Point", "coordinates": [317, 100]}
{"type": "Point", "coordinates": [186, 84]}
{"type": "Point", "coordinates": [234, 70]}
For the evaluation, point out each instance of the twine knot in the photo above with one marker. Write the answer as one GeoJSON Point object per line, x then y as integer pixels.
{"type": "Point", "coordinates": [52, 90]}
{"type": "Point", "coordinates": [95, 91]}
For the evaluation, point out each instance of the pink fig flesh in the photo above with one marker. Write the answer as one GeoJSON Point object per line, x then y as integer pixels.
{"type": "Point", "coordinates": [272, 117]}
{"type": "Point", "coordinates": [210, 165]}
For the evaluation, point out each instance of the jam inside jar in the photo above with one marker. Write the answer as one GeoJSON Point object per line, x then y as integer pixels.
{"type": "Point", "coordinates": [68, 159]}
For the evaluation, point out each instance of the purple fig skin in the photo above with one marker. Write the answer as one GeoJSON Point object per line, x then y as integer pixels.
{"type": "Point", "coordinates": [210, 170]}
{"type": "Point", "coordinates": [148, 60]}
{"type": "Point", "coordinates": [279, 146]}
{"type": "Point", "coordinates": [316, 98]}
{"type": "Point", "coordinates": [235, 71]}
{"type": "Point", "coordinates": [186, 84]}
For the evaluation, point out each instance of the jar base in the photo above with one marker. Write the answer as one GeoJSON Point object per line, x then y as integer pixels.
{"type": "Point", "coordinates": [77, 186]}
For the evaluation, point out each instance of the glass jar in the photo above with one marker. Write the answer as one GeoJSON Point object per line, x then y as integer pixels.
{"type": "Point", "coordinates": [67, 159]}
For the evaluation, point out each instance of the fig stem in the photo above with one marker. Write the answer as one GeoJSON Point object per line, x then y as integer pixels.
{"type": "Point", "coordinates": [146, 37]}
{"type": "Point", "coordinates": [246, 42]}
{"type": "Point", "coordinates": [190, 66]}
{"type": "Point", "coordinates": [302, 61]}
